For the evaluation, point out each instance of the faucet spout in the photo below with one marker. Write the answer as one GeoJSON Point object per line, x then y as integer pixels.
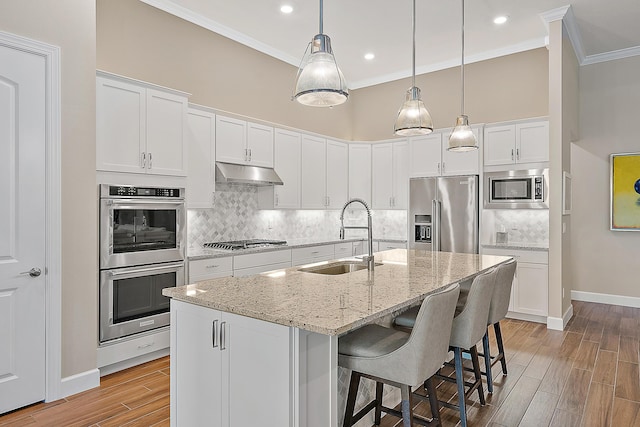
{"type": "Point", "coordinates": [368, 259]}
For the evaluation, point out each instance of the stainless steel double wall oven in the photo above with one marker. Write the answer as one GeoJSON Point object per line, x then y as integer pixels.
{"type": "Point", "coordinates": [142, 240]}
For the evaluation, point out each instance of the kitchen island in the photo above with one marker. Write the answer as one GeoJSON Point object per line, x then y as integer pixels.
{"type": "Point", "coordinates": [263, 349]}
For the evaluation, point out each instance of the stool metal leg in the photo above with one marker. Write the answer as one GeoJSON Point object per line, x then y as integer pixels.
{"type": "Point", "coordinates": [457, 355]}
{"type": "Point", "coordinates": [407, 405]}
{"type": "Point", "coordinates": [487, 361]}
{"type": "Point", "coordinates": [351, 399]}
{"type": "Point", "coordinates": [433, 401]}
{"type": "Point", "coordinates": [379, 387]}
{"type": "Point", "coordinates": [503, 361]}
{"type": "Point", "coordinates": [476, 371]}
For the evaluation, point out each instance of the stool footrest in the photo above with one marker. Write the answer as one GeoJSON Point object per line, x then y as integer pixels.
{"type": "Point", "coordinates": [364, 411]}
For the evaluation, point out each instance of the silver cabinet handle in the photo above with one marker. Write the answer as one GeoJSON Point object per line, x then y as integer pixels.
{"type": "Point", "coordinates": [143, 160]}
{"type": "Point", "coordinates": [250, 154]}
{"type": "Point", "coordinates": [512, 157]}
{"type": "Point", "coordinates": [517, 154]}
{"type": "Point", "coordinates": [223, 336]}
{"type": "Point", "coordinates": [150, 161]}
{"type": "Point", "coordinates": [277, 201]}
{"type": "Point", "coordinates": [34, 272]}
{"type": "Point", "coordinates": [214, 333]}
{"type": "Point", "coordinates": [443, 167]}
{"type": "Point", "coordinates": [212, 266]}
{"type": "Point", "coordinates": [438, 167]}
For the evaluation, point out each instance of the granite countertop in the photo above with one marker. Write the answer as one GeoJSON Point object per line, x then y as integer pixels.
{"type": "Point", "coordinates": [518, 246]}
{"type": "Point", "coordinates": [205, 253]}
{"type": "Point", "coordinates": [333, 305]}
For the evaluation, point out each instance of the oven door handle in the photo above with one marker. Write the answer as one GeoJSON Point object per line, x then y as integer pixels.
{"type": "Point", "coordinates": [137, 202]}
{"type": "Point", "coordinates": [174, 266]}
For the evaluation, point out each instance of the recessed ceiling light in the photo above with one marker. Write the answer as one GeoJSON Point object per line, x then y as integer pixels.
{"type": "Point", "coordinates": [369, 56]}
{"type": "Point", "coordinates": [500, 19]}
{"type": "Point", "coordinates": [286, 9]}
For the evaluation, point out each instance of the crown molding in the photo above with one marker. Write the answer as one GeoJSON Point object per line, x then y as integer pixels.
{"type": "Point", "coordinates": [611, 56]}
{"type": "Point", "coordinates": [565, 14]}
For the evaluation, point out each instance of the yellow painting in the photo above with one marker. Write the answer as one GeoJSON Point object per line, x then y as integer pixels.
{"type": "Point", "coordinates": [625, 188]}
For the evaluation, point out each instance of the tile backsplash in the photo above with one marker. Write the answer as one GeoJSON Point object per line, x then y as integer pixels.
{"type": "Point", "coordinates": [235, 216]}
{"type": "Point", "coordinates": [529, 226]}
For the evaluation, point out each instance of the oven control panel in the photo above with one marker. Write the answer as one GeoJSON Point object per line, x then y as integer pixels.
{"type": "Point", "coordinates": [130, 191]}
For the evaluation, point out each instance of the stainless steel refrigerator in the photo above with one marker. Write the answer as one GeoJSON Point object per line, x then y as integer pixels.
{"type": "Point", "coordinates": [443, 214]}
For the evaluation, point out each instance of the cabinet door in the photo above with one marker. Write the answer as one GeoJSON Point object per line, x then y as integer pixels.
{"type": "Point", "coordinates": [166, 129]}
{"type": "Point", "coordinates": [532, 291]}
{"type": "Point", "coordinates": [400, 175]}
{"type": "Point", "coordinates": [313, 173]}
{"type": "Point", "coordinates": [120, 126]}
{"type": "Point", "coordinates": [257, 373]}
{"type": "Point", "coordinates": [460, 163]}
{"type": "Point", "coordinates": [382, 176]}
{"type": "Point", "coordinates": [387, 246]}
{"type": "Point", "coordinates": [201, 146]}
{"type": "Point", "coordinates": [360, 172]}
{"type": "Point", "coordinates": [231, 140]}
{"type": "Point", "coordinates": [196, 366]}
{"type": "Point", "coordinates": [425, 155]}
{"type": "Point", "coordinates": [532, 142]}
{"type": "Point", "coordinates": [499, 145]}
{"type": "Point", "coordinates": [287, 165]}
{"type": "Point", "coordinates": [260, 145]}
{"type": "Point", "coordinates": [337, 174]}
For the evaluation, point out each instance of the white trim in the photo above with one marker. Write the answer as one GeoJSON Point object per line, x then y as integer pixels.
{"type": "Point", "coordinates": [554, 15]}
{"type": "Point", "coordinates": [559, 324]}
{"type": "Point", "coordinates": [611, 56]}
{"type": "Point", "coordinates": [526, 317]}
{"type": "Point", "coordinates": [606, 298]}
{"type": "Point", "coordinates": [565, 13]}
{"type": "Point", "coordinates": [53, 268]}
{"type": "Point", "coordinates": [138, 360]}
{"type": "Point", "coordinates": [79, 382]}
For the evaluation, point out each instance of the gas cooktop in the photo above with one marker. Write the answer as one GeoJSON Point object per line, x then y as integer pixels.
{"type": "Point", "coordinates": [244, 244]}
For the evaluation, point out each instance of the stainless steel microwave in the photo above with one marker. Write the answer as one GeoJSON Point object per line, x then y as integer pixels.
{"type": "Point", "coordinates": [518, 189]}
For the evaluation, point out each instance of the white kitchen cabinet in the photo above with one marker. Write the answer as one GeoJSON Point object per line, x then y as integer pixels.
{"type": "Point", "coordinates": [256, 263]}
{"type": "Point", "coordinates": [360, 248]}
{"type": "Point", "coordinates": [516, 143]}
{"type": "Point", "coordinates": [386, 246]}
{"type": "Point", "coordinates": [337, 174]}
{"type": "Point", "coordinates": [244, 142]}
{"type": "Point", "coordinates": [201, 140]}
{"type": "Point", "coordinates": [390, 179]}
{"type": "Point", "coordinates": [214, 362]}
{"type": "Point", "coordinates": [343, 250]}
{"type": "Point", "coordinates": [311, 254]}
{"type": "Point", "coordinates": [360, 172]}
{"type": "Point", "coordinates": [313, 182]}
{"type": "Point", "coordinates": [430, 156]}
{"type": "Point", "coordinates": [530, 289]}
{"type": "Point", "coordinates": [287, 154]}
{"type": "Point", "coordinates": [140, 128]}
{"type": "Point", "coordinates": [209, 268]}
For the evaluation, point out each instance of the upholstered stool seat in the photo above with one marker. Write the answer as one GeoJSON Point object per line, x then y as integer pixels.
{"type": "Point", "coordinates": [401, 359]}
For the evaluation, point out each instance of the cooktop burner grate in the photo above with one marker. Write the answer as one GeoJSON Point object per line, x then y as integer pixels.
{"type": "Point", "coordinates": [244, 244]}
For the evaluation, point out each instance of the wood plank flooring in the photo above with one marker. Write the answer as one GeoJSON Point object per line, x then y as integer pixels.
{"type": "Point", "coordinates": [587, 375]}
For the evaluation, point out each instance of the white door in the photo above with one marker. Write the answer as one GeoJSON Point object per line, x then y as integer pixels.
{"type": "Point", "coordinates": [22, 228]}
{"type": "Point", "coordinates": [499, 145]}
{"type": "Point", "coordinates": [400, 175]}
{"type": "Point", "coordinates": [260, 145]}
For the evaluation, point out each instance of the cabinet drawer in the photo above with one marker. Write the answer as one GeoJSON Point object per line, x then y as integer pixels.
{"type": "Point", "coordinates": [342, 250]}
{"type": "Point", "coordinates": [385, 246]}
{"type": "Point", "coordinates": [311, 252]}
{"type": "Point", "coordinates": [534, 257]}
{"type": "Point", "coordinates": [262, 258]}
{"type": "Point", "coordinates": [203, 269]}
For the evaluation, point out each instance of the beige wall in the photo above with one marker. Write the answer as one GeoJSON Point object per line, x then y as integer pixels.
{"type": "Point", "coordinates": [505, 88]}
{"type": "Point", "coordinates": [70, 24]}
{"type": "Point", "coordinates": [140, 41]}
{"type": "Point", "coordinates": [604, 261]}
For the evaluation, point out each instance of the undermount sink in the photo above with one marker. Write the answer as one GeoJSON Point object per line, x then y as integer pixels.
{"type": "Point", "coordinates": [335, 268]}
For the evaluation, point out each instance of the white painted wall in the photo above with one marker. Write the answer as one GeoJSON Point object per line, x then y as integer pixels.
{"type": "Point", "coordinates": [604, 261]}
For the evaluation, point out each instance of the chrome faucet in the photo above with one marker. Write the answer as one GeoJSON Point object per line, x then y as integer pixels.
{"type": "Point", "coordinates": [368, 259]}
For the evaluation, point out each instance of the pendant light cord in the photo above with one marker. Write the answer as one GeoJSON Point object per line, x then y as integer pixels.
{"type": "Point", "coordinates": [462, 64]}
{"type": "Point", "coordinates": [413, 57]}
{"type": "Point", "coordinates": [321, 14]}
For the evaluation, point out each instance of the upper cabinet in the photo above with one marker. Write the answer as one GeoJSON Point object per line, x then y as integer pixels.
{"type": "Point", "coordinates": [390, 177]}
{"type": "Point", "coordinates": [429, 156]}
{"type": "Point", "coordinates": [201, 138]}
{"type": "Point", "coordinates": [360, 172]}
{"type": "Point", "coordinates": [325, 173]}
{"type": "Point", "coordinates": [287, 153]}
{"type": "Point", "coordinates": [140, 128]}
{"type": "Point", "coordinates": [241, 142]}
{"type": "Point", "coordinates": [516, 143]}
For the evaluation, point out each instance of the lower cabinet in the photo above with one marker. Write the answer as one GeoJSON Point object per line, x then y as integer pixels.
{"type": "Point", "coordinates": [386, 246]}
{"type": "Point", "coordinates": [530, 290]}
{"type": "Point", "coordinates": [228, 370]}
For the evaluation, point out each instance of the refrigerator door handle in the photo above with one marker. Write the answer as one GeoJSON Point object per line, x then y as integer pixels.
{"type": "Point", "coordinates": [436, 225]}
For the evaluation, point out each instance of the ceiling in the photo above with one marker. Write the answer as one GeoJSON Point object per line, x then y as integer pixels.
{"type": "Point", "coordinates": [599, 29]}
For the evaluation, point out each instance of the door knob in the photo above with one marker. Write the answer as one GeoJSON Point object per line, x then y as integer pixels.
{"type": "Point", "coordinates": [34, 272]}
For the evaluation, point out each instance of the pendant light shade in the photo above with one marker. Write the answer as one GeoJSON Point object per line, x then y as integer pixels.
{"type": "Point", "coordinates": [320, 82]}
{"type": "Point", "coordinates": [462, 137]}
{"type": "Point", "coordinates": [413, 117]}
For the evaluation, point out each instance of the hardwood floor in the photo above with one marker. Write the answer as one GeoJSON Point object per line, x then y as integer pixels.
{"type": "Point", "coordinates": [587, 375]}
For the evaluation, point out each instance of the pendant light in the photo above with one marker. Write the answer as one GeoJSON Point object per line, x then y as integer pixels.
{"type": "Point", "coordinates": [462, 137]}
{"type": "Point", "coordinates": [413, 117]}
{"type": "Point", "coordinates": [320, 82]}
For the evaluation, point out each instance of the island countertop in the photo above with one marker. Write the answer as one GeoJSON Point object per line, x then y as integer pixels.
{"type": "Point", "coordinates": [336, 304]}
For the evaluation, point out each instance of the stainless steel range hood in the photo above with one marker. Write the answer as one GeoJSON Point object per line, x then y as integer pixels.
{"type": "Point", "coordinates": [244, 174]}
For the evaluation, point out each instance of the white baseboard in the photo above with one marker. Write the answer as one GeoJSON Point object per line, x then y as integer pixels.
{"type": "Point", "coordinates": [139, 360]}
{"type": "Point", "coordinates": [79, 382]}
{"type": "Point", "coordinates": [559, 324]}
{"type": "Point", "coordinates": [526, 317]}
{"type": "Point", "coordinates": [606, 298]}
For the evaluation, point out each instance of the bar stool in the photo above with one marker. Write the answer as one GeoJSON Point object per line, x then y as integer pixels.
{"type": "Point", "coordinates": [468, 328]}
{"type": "Point", "coordinates": [401, 359]}
{"type": "Point", "coordinates": [497, 311]}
